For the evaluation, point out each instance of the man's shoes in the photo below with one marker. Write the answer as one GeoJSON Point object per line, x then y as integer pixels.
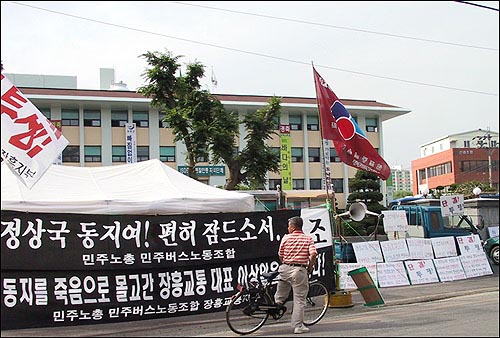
{"type": "Point", "coordinates": [278, 312]}
{"type": "Point", "coordinates": [301, 329]}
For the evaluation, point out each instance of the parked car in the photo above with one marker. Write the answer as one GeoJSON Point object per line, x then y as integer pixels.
{"type": "Point", "coordinates": [491, 248]}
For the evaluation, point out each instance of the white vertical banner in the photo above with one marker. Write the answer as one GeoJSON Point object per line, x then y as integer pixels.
{"type": "Point", "coordinates": [327, 177]}
{"type": "Point", "coordinates": [30, 142]}
{"type": "Point", "coordinates": [58, 125]}
{"type": "Point", "coordinates": [131, 142]}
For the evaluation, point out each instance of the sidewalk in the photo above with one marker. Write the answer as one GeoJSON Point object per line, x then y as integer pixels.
{"type": "Point", "coordinates": [433, 291]}
{"type": "Point", "coordinates": [392, 296]}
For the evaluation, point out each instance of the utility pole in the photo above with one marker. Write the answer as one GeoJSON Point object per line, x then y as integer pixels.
{"type": "Point", "coordinates": [485, 142]}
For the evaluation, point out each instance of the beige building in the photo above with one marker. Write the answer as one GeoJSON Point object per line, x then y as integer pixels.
{"type": "Point", "coordinates": [401, 178]}
{"type": "Point", "coordinates": [94, 122]}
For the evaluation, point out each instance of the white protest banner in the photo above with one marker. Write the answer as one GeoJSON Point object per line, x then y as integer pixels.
{"type": "Point", "coordinates": [130, 143]}
{"type": "Point", "coordinates": [444, 246]}
{"type": "Point", "coordinates": [449, 268]}
{"type": "Point", "coordinates": [452, 205]}
{"type": "Point", "coordinates": [396, 250]}
{"type": "Point", "coordinates": [493, 231]}
{"type": "Point", "coordinates": [422, 271]}
{"type": "Point", "coordinates": [367, 252]}
{"type": "Point", "coordinates": [30, 142]}
{"type": "Point", "coordinates": [317, 224]}
{"type": "Point", "coordinates": [476, 264]}
{"type": "Point", "coordinates": [420, 248]}
{"type": "Point", "coordinates": [395, 220]}
{"type": "Point", "coordinates": [469, 244]}
{"type": "Point", "coordinates": [392, 274]}
{"type": "Point", "coordinates": [346, 282]}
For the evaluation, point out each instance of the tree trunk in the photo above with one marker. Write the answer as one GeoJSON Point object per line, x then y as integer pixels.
{"type": "Point", "coordinates": [234, 175]}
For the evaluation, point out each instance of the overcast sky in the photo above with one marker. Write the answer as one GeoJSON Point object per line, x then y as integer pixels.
{"type": "Point", "coordinates": [438, 59]}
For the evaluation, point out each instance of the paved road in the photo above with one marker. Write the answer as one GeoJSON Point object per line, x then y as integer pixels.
{"type": "Point", "coordinates": [214, 324]}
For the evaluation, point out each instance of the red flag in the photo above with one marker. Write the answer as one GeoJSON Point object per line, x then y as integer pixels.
{"type": "Point", "coordinates": [350, 142]}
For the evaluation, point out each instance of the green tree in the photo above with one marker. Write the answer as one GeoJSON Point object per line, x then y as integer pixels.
{"type": "Point", "coordinates": [190, 111]}
{"type": "Point", "coordinates": [467, 187]}
{"type": "Point", "coordinates": [365, 188]}
{"type": "Point", "coordinates": [199, 119]}
{"type": "Point", "coordinates": [402, 193]}
{"type": "Point", "coordinates": [249, 166]}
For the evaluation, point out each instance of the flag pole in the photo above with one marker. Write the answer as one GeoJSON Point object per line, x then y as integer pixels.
{"type": "Point", "coordinates": [326, 170]}
{"type": "Point", "coordinates": [329, 204]}
{"type": "Point", "coordinates": [339, 298]}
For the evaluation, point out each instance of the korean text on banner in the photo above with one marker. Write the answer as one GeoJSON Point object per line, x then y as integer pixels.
{"type": "Point", "coordinates": [350, 142]}
{"type": "Point", "coordinates": [30, 142]}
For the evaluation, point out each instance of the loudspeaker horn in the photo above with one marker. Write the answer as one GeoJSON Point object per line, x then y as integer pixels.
{"type": "Point", "coordinates": [358, 211]}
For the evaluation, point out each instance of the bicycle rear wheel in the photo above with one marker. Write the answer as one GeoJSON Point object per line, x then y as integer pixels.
{"type": "Point", "coordinates": [243, 315]}
{"type": "Point", "coordinates": [317, 302]}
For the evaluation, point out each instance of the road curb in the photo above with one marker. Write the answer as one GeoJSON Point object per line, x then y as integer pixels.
{"type": "Point", "coordinates": [439, 296]}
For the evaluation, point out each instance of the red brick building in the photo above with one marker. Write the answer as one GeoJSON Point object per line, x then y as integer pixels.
{"type": "Point", "coordinates": [456, 164]}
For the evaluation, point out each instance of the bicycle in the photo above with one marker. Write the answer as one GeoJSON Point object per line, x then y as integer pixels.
{"type": "Point", "coordinates": [251, 306]}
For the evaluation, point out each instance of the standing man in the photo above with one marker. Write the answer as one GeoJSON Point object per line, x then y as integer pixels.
{"type": "Point", "coordinates": [297, 254]}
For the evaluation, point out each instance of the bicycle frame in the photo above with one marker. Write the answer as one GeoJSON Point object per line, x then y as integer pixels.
{"type": "Point", "coordinates": [250, 308]}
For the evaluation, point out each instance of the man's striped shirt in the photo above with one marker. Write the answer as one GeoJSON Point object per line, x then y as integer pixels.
{"type": "Point", "coordinates": [296, 247]}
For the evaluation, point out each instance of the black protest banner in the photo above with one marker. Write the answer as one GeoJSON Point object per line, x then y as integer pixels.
{"type": "Point", "coordinates": [74, 269]}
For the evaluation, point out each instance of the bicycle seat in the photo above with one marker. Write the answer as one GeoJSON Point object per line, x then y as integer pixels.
{"type": "Point", "coordinates": [269, 276]}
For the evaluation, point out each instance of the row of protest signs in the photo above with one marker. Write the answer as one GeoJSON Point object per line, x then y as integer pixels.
{"type": "Point", "coordinates": [414, 261]}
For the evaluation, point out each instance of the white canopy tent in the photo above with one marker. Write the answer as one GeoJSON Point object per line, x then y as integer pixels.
{"type": "Point", "coordinates": [143, 188]}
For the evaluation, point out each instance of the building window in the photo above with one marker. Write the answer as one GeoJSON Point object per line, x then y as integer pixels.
{"type": "Point", "coordinates": [141, 119]}
{"type": "Point", "coordinates": [163, 124]}
{"type": "Point", "coordinates": [273, 184]}
{"type": "Point", "coordinates": [142, 153]}
{"type": "Point", "coordinates": [312, 123]}
{"type": "Point", "coordinates": [277, 121]}
{"type": "Point", "coordinates": [466, 144]}
{"type": "Point", "coordinates": [45, 111]}
{"type": "Point", "coordinates": [69, 117]}
{"type": "Point", "coordinates": [473, 166]}
{"type": "Point", "coordinates": [118, 154]}
{"type": "Point", "coordinates": [338, 185]}
{"type": "Point", "coordinates": [202, 158]}
{"type": "Point", "coordinates": [92, 153]}
{"type": "Point", "coordinates": [315, 183]}
{"type": "Point", "coordinates": [442, 169]}
{"type": "Point", "coordinates": [71, 154]}
{"type": "Point", "coordinates": [422, 173]}
{"type": "Point", "coordinates": [167, 154]}
{"type": "Point", "coordinates": [295, 122]}
{"type": "Point", "coordinates": [298, 184]}
{"type": "Point", "coordinates": [371, 124]}
{"type": "Point", "coordinates": [333, 155]}
{"type": "Point", "coordinates": [313, 154]}
{"type": "Point", "coordinates": [91, 118]}
{"type": "Point", "coordinates": [297, 155]}
{"type": "Point", "coordinates": [119, 118]}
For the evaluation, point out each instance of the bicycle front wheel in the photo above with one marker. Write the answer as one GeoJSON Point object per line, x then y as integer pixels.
{"type": "Point", "coordinates": [243, 314]}
{"type": "Point", "coordinates": [317, 302]}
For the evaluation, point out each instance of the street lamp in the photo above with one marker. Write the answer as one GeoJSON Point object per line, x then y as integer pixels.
{"type": "Point", "coordinates": [425, 192]}
{"type": "Point", "coordinates": [476, 191]}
